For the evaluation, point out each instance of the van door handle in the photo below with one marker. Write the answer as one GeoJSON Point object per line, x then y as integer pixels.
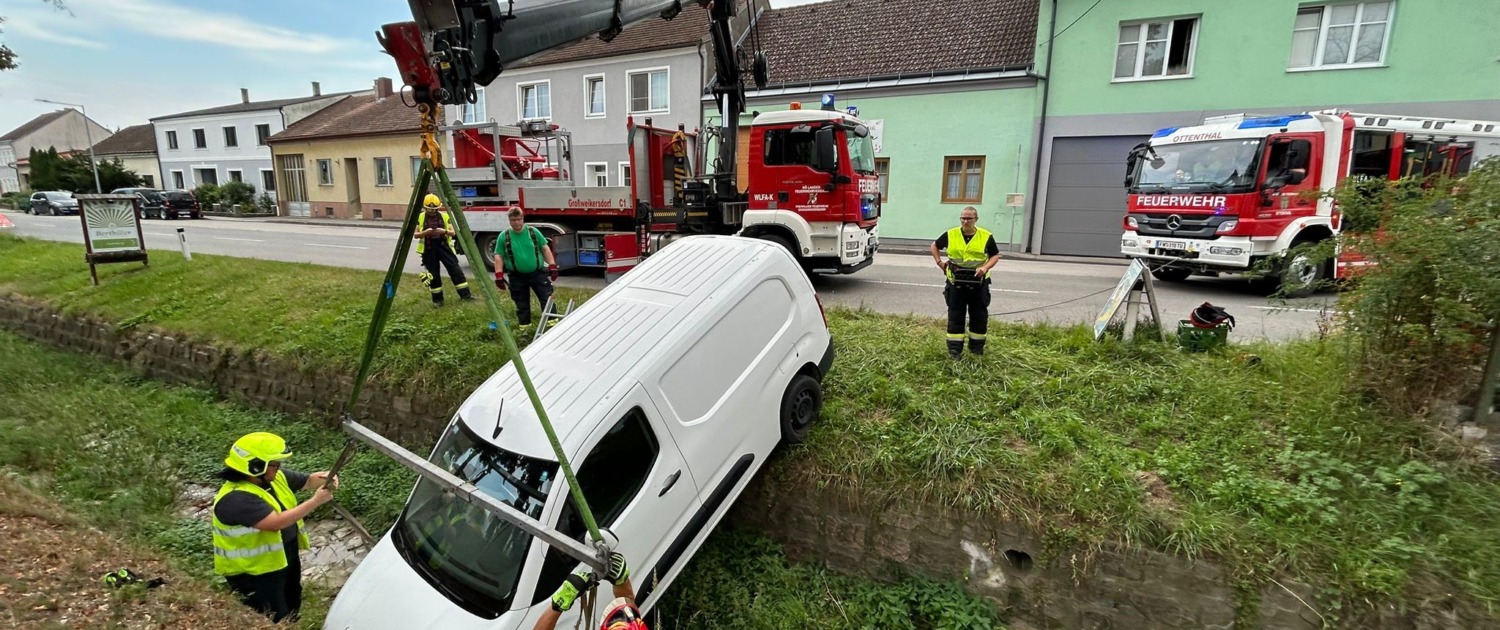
{"type": "Point", "coordinates": [671, 481]}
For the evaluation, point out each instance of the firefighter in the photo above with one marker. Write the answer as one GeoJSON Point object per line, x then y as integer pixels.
{"type": "Point", "coordinates": [519, 254]}
{"type": "Point", "coordinates": [620, 614]}
{"type": "Point", "coordinates": [435, 246]}
{"type": "Point", "coordinates": [972, 253]}
{"type": "Point", "coordinates": [258, 534]}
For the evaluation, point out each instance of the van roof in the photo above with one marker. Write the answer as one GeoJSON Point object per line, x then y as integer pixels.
{"type": "Point", "coordinates": [600, 350]}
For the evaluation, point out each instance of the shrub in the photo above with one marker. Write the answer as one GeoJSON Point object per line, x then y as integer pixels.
{"type": "Point", "coordinates": [240, 193]}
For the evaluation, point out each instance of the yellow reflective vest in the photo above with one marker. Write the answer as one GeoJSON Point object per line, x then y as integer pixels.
{"type": "Point", "coordinates": [422, 221]}
{"type": "Point", "coordinates": [240, 550]}
{"type": "Point", "coordinates": [967, 254]}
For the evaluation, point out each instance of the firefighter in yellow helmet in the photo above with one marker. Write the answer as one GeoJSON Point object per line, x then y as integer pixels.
{"type": "Point", "coordinates": [435, 246]}
{"type": "Point", "coordinates": [258, 533]}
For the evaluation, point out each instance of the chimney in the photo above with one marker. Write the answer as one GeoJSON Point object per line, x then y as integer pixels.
{"type": "Point", "coordinates": [383, 88]}
{"type": "Point", "coordinates": [317, 89]}
{"type": "Point", "coordinates": [244, 95]}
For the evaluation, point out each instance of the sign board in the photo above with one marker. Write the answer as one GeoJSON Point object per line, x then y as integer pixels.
{"type": "Point", "coordinates": [1123, 290]}
{"type": "Point", "coordinates": [111, 230]}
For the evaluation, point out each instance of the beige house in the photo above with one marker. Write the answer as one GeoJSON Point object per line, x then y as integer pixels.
{"type": "Point", "coordinates": [135, 148]}
{"type": "Point", "coordinates": [65, 130]}
{"type": "Point", "coordinates": [355, 159]}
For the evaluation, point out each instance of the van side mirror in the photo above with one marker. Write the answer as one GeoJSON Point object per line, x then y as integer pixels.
{"type": "Point", "coordinates": [827, 152]}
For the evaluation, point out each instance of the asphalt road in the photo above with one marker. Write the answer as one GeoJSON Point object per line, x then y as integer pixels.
{"type": "Point", "coordinates": [1064, 292]}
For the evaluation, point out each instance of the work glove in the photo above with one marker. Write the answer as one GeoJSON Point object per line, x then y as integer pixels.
{"type": "Point", "coordinates": [552, 272]}
{"type": "Point", "coordinates": [618, 570]}
{"type": "Point", "coordinates": [500, 280]}
{"type": "Point", "coordinates": [425, 278]}
{"type": "Point", "coordinates": [571, 587]}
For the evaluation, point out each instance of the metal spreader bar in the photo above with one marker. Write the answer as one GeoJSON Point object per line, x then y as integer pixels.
{"type": "Point", "coordinates": [471, 494]}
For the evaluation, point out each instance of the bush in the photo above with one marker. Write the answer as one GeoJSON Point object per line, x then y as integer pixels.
{"type": "Point", "coordinates": [1422, 315]}
{"type": "Point", "coordinates": [208, 195]}
{"type": "Point", "coordinates": [264, 203]}
{"type": "Point", "coordinates": [240, 193]}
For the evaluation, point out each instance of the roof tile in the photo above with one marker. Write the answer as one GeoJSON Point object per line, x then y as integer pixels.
{"type": "Point", "coordinates": [355, 116]}
{"type": "Point", "coordinates": [256, 106]}
{"type": "Point", "coordinates": [34, 125]}
{"type": "Point", "coordinates": [136, 139]}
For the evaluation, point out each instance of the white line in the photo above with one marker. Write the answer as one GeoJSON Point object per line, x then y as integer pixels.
{"type": "Point", "coordinates": [247, 240]}
{"type": "Point", "coordinates": [338, 246]}
{"type": "Point", "coordinates": [936, 286]}
{"type": "Point", "coordinates": [1295, 310]}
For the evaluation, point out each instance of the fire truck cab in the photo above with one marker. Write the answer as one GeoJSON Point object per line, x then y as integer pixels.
{"type": "Point", "coordinates": [1224, 196]}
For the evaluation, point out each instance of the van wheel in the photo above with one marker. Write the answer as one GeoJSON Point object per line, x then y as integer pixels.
{"type": "Point", "coordinates": [1301, 275]}
{"type": "Point", "coordinates": [800, 406]}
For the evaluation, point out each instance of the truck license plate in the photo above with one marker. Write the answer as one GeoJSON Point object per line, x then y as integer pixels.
{"type": "Point", "coordinates": [1182, 245]}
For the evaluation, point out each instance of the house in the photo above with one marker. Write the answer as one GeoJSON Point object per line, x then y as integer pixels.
{"type": "Point", "coordinates": [1122, 70]}
{"type": "Point", "coordinates": [654, 69]}
{"type": "Point", "coordinates": [135, 147]}
{"type": "Point", "coordinates": [228, 143]}
{"type": "Point", "coordinates": [946, 85]}
{"type": "Point", "coordinates": [354, 159]}
{"type": "Point", "coordinates": [65, 130]}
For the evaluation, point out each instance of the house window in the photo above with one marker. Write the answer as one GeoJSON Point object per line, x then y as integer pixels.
{"type": "Point", "coordinates": [883, 169]}
{"type": "Point", "coordinates": [1163, 48]}
{"type": "Point", "coordinates": [262, 132]}
{"type": "Point", "coordinates": [963, 179]}
{"type": "Point", "coordinates": [177, 182]}
{"type": "Point", "coordinates": [416, 167]}
{"type": "Point", "coordinates": [149, 180]}
{"type": "Point", "coordinates": [474, 112]}
{"type": "Point", "coordinates": [594, 90]}
{"type": "Point", "coordinates": [200, 139]}
{"type": "Point", "coordinates": [325, 172]}
{"type": "Point", "coordinates": [1335, 35]}
{"type": "Point", "coordinates": [267, 180]}
{"type": "Point", "coordinates": [231, 139]}
{"type": "Point", "coordinates": [207, 176]}
{"type": "Point", "coordinates": [648, 91]}
{"type": "Point", "coordinates": [172, 141]}
{"type": "Point", "coordinates": [536, 100]}
{"type": "Point", "coordinates": [625, 174]}
{"type": "Point", "coordinates": [384, 176]}
{"type": "Point", "coordinates": [236, 175]}
{"type": "Point", "coordinates": [598, 174]}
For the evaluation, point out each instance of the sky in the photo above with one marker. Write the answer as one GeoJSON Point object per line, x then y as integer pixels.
{"type": "Point", "coordinates": [127, 61]}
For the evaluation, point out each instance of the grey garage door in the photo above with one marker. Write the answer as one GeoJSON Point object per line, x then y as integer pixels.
{"type": "Point", "coordinates": [1086, 196]}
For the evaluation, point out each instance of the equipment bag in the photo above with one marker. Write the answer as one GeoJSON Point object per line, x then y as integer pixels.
{"type": "Point", "coordinates": [1210, 316]}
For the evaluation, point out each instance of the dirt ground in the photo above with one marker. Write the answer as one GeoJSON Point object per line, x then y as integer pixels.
{"type": "Point", "coordinates": [50, 569]}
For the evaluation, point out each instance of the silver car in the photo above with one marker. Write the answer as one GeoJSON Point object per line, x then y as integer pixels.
{"type": "Point", "coordinates": [53, 202]}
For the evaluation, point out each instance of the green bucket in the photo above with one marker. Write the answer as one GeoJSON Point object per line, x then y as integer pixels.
{"type": "Point", "coordinates": [1195, 339]}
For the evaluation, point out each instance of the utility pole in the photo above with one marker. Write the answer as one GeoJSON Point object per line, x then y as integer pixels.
{"type": "Point", "coordinates": [89, 134]}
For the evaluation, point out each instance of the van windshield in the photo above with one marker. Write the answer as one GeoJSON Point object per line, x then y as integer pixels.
{"type": "Point", "coordinates": [472, 556]}
{"type": "Point", "coordinates": [1201, 167]}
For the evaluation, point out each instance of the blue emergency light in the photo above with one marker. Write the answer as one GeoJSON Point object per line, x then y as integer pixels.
{"type": "Point", "coordinates": [828, 102]}
{"type": "Point", "coordinates": [852, 111]}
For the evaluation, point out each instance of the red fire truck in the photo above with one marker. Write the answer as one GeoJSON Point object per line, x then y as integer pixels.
{"type": "Point", "coordinates": [1224, 196]}
{"type": "Point", "coordinates": [812, 188]}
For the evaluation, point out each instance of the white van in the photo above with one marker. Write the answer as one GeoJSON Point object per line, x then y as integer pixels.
{"type": "Point", "coordinates": [668, 391]}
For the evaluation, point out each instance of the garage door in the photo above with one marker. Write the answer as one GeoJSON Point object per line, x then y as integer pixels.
{"type": "Point", "coordinates": [1086, 196]}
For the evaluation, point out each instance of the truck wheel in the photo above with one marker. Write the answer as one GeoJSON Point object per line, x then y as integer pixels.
{"type": "Point", "coordinates": [1172, 274]}
{"type": "Point", "coordinates": [485, 241]}
{"type": "Point", "coordinates": [1301, 276]}
{"type": "Point", "coordinates": [800, 406]}
{"type": "Point", "coordinates": [783, 242]}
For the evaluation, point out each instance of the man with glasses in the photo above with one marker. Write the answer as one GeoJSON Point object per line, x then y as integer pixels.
{"type": "Point", "coordinates": [972, 253]}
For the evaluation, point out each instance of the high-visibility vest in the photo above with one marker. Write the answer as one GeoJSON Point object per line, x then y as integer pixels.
{"type": "Point", "coordinates": [967, 254]}
{"type": "Point", "coordinates": [242, 550]}
{"type": "Point", "coordinates": [422, 221]}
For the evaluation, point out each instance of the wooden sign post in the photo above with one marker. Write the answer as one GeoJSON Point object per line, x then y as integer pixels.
{"type": "Point", "coordinates": [1134, 287]}
{"type": "Point", "coordinates": [111, 230]}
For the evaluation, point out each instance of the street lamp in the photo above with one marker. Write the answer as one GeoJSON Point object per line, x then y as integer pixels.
{"type": "Point", "coordinates": [87, 134]}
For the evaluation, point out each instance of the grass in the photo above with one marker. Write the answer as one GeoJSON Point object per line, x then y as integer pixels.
{"type": "Point", "coordinates": [1275, 468]}
{"type": "Point", "coordinates": [118, 448]}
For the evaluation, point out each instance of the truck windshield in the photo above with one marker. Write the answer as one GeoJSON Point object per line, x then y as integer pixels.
{"type": "Point", "coordinates": [472, 556]}
{"type": "Point", "coordinates": [861, 153]}
{"type": "Point", "coordinates": [1217, 166]}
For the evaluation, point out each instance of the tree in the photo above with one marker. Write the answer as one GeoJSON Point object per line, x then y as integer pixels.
{"type": "Point", "coordinates": [8, 56]}
{"type": "Point", "coordinates": [50, 171]}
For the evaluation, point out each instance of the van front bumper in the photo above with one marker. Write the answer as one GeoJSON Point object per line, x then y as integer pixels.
{"type": "Point", "coordinates": [1229, 252]}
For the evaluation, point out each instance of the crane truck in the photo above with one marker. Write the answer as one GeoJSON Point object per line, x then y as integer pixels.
{"type": "Point", "coordinates": [811, 184]}
{"type": "Point", "coordinates": [1239, 189]}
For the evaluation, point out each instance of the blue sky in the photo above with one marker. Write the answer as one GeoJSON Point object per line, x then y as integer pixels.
{"type": "Point", "coordinates": [130, 60]}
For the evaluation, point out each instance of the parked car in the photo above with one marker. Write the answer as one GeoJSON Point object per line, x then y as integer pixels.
{"type": "Point", "coordinates": [180, 202]}
{"type": "Point", "coordinates": [153, 204]}
{"type": "Point", "coordinates": [668, 391]}
{"type": "Point", "coordinates": [52, 202]}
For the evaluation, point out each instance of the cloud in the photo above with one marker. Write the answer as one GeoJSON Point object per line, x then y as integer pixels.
{"type": "Point", "coordinates": [25, 27]}
{"type": "Point", "coordinates": [219, 29]}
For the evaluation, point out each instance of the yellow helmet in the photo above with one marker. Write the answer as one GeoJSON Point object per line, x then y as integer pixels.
{"type": "Point", "coordinates": [432, 201]}
{"type": "Point", "coordinates": [251, 453]}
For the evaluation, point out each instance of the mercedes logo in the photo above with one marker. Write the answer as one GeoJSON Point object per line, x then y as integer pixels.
{"type": "Point", "coordinates": [1174, 222]}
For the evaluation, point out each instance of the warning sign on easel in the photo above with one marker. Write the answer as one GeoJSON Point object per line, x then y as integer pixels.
{"type": "Point", "coordinates": [1134, 288]}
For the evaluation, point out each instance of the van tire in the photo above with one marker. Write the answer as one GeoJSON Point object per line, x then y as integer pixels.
{"type": "Point", "coordinates": [800, 406]}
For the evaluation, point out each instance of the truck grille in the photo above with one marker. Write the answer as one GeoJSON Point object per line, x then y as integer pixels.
{"type": "Point", "coordinates": [1187, 225]}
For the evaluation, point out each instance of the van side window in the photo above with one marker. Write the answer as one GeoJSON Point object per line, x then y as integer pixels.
{"type": "Point", "coordinates": [787, 147]}
{"type": "Point", "coordinates": [1288, 163]}
{"type": "Point", "coordinates": [610, 477]}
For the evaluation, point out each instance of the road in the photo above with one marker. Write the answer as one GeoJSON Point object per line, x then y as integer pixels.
{"type": "Point", "coordinates": [1024, 289]}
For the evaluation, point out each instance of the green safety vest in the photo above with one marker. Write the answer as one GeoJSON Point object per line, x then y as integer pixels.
{"type": "Point", "coordinates": [970, 254]}
{"type": "Point", "coordinates": [422, 221]}
{"type": "Point", "coordinates": [240, 550]}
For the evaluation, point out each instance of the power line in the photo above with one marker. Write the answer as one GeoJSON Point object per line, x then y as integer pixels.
{"type": "Point", "coordinates": [1070, 24]}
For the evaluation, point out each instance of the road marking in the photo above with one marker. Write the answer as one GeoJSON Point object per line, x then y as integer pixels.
{"type": "Point", "coordinates": [338, 246]}
{"type": "Point", "coordinates": [1281, 308]}
{"type": "Point", "coordinates": [937, 286]}
{"type": "Point", "coordinates": [247, 240]}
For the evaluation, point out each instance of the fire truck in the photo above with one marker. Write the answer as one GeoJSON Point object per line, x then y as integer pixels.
{"type": "Point", "coordinates": [812, 189]}
{"type": "Point", "coordinates": [1240, 189]}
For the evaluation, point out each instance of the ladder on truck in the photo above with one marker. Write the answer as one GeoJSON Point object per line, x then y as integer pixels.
{"type": "Point", "coordinates": [1424, 124]}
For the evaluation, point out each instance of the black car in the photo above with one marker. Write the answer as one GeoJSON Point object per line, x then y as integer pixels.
{"type": "Point", "coordinates": [153, 203]}
{"type": "Point", "coordinates": [180, 202]}
{"type": "Point", "coordinates": [53, 202]}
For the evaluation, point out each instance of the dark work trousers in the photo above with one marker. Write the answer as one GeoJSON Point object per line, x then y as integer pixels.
{"type": "Point", "coordinates": [277, 594]}
{"type": "Point", "coordinates": [522, 285]}
{"type": "Point", "coordinates": [972, 300]}
{"type": "Point", "coordinates": [435, 256]}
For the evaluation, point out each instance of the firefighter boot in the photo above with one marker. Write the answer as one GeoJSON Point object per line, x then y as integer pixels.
{"type": "Point", "coordinates": [463, 292]}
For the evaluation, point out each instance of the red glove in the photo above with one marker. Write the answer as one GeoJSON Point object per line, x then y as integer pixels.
{"type": "Point", "coordinates": [500, 280]}
{"type": "Point", "coordinates": [552, 272]}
